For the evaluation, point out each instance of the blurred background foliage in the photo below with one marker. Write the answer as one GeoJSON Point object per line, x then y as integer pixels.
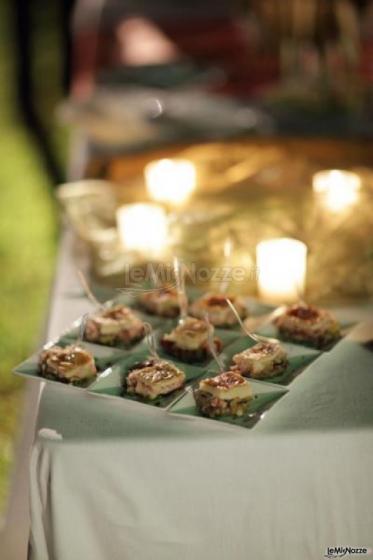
{"type": "Point", "coordinates": [28, 224]}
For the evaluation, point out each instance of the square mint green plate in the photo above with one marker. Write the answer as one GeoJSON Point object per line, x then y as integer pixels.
{"type": "Point", "coordinates": [265, 396]}
{"type": "Point", "coordinates": [226, 336]}
{"type": "Point", "coordinates": [299, 357]}
{"type": "Point", "coordinates": [103, 355]}
{"type": "Point", "coordinates": [73, 331]}
{"type": "Point", "coordinates": [111, 382]}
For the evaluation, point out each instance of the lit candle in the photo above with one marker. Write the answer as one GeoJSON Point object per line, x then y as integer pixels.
{"type": "Point", "coordinates": [338, 190]}
{"type": "Point", "coordinates": [281, 268]}
{"type": "Point", "coordinates": [171, 181]}
{"type": "Point", "coordinates": [143, 228]}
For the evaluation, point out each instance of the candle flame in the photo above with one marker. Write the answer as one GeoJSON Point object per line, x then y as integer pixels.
{"type": "Point", "coordinates": [338, 189]}
{"type": "Point", "coordinates": [228, 247]}
{"type": "Point", "coordinates": [282, 269]}
{"type": "Point", "coordinates": [170, 181]}
{"type": "Point", "coordinates": [143, 227]}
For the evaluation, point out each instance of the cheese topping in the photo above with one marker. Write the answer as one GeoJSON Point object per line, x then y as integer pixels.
{"type": "Point", "coordinates": [192, 334]}
{"type": "Point", "coordinates": [160, 300]}
{"type": "Point", "coordinates": [261, 357]}
{"type": "Point", "coordinates": [155, 377]}
{"type": "Point", "coordinates": [70, 363]}
{"type": "Point", "coordinates": [227, 386]}
{"type": "Point", "coordinates": [218, 309]}
{"type": "Point", "coordinates": [115, 319]}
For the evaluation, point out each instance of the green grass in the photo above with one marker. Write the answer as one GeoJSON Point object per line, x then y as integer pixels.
{"type": "Point", "coordinates": [28, 234]}
{"type": "Point", "coordinates": [27, 245]}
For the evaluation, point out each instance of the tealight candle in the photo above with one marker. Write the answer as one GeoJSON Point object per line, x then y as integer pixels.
{"type": "Point", "coordinates": [170, 181]}
{"type": "Point", "coordinates": [143, 228]}
{"type": "Point", "coordinates": [281, 268]}
{"type": "Point", "coordinates": [337, 189]}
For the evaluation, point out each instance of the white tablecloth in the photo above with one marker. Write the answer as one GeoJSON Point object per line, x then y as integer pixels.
{"type": "Point", "coordinates": [148, 495]}
{"type": "Point", "coordinates": [112, 483]}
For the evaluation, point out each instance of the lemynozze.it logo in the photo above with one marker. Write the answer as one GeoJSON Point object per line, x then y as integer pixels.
{"type": "Point", "coordinates": [344, 551]}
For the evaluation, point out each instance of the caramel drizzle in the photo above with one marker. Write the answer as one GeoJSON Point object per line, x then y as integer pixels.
{"type": "Point", "coordinates": [67, 358]}
{"type": "Point", "coordinates": [226, 380]}
{"type": "Point", "coordinates": [152, 371]}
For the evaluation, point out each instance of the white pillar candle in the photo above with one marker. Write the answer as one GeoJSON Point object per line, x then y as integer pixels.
{"type": "Point", "coordinates": [171, 181]}
{"type": "Point", "coordinates": [143, 228]}
{"type": "Point", "coordinates": [336, 189]}
{"type": "Point", "coordinates": [281, 269]}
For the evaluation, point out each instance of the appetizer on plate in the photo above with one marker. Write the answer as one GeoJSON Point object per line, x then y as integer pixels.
{"type": "Point", "coordinates": [227, 394]}
{"type": "Point", "coordinates": [153, 378]}
{"type": "Point", "coordinates": [309, 324]}
{"type": "Point", "coordinates": [71, 364]}
{"type": "Point", "coordinates": [264, 359]}
{"type": "Point", "coordinates": [218, 310]}
{"type": "Point", "coordinates": [114, 324]}
{"type": "Point", "coordinates": [163, 302]}
{"type": "Point", "coordinates": [189, 341]}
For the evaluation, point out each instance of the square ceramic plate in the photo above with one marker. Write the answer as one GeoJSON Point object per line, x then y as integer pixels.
{"type": "Point", "coordinates": [343, 316]}
{"type": "Point", "coordinates": [111, 382]}
{"type": "Point", "coordinates": [265, 396]}
{"type": "Point", "coordinates": [103, 355]}
{"type": "Point", "coordinates": [226, 337]}
{"type": "Point", "coordinates": [272, 332]}
{"type": "Point", "coordinates": [72, 333]}
{"type": "Point", "coordinates": [299, 357]}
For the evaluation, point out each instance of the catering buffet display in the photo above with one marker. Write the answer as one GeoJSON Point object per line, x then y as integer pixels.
{"type": "Point", "coordinates": [186, 365]}
{"type": "Point", "coordinates": [212, 349]}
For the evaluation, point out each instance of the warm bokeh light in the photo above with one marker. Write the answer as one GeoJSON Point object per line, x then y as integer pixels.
{"type": "Point", "coordinates": [143, 228]}
{"type": "Point", "coordinates": [228, 248]}
{"type": "Point", "coordinates": [143, 42]}
{"type": "Point", "coordinates": [281, 268]}
{"type": "Point", "coordinates": [337, 189]}
{"type": "Point", "coordinates": [170, 181]}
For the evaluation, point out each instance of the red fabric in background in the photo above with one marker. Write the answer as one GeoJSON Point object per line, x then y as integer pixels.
{"type": "Point", "coordinates": [219, 42]}
{"type": "Point", "coordinates": [366, 62]}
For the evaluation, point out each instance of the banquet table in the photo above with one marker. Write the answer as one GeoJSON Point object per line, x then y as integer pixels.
{"type": "Point", "coordinates": [110, 482]}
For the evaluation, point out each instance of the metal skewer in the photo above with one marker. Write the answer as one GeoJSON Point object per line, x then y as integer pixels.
{"type": "Point", "coordinates": [211, 345]}
{"type": "Point", "coordinates": [267, 318]}
{"type": "Point", "coordinates": [153, 275]}
{"type": "Point", "coordinates": [81, 331]}
{"type": "Point", "coordinates": [180, 286]}
{"type": "Point", "coordinates": [254, 337]}
{"type": "Point", "coordinates": [227, 250]}
{"type": "Point", "coordinates": [151, 341]}
{"type": "Point", "coordinates": [88, 290]}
